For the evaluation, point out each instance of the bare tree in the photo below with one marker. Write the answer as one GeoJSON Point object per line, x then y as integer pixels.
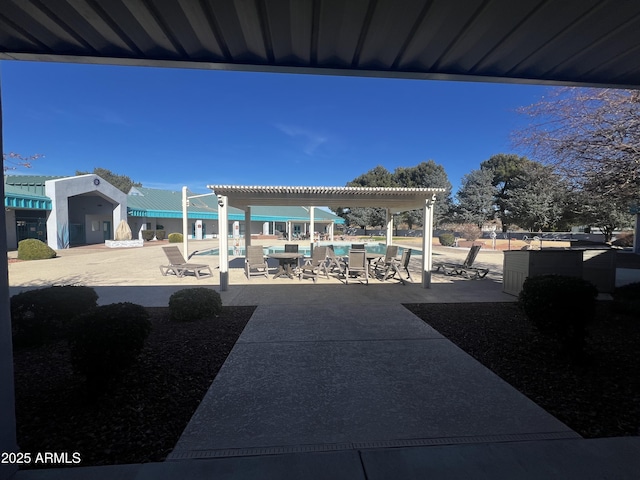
{"type": "Point", "coordinates": [12, 160]}
{"type": "Point", "coordinates": [591, 136]}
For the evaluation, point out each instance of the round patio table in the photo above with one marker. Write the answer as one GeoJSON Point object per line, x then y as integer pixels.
{"type": "Point", "coordinates": [285, 259]}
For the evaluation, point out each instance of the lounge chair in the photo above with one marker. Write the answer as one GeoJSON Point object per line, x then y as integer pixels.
{"type": "Point", "coordinates": [356, 266]}
{"type": "Point", "coordinates": [179, 267]}
{"type": "Point", "coordinates": [395, 266]}
{"type": "Point", "coordinates": [315, 265]}
{"type": "Point", "coordinates": [255, 263]}
{"type": "Point", "coordinates": [381, 266]}
{"type": "Point", "coordinates": [465, 269]}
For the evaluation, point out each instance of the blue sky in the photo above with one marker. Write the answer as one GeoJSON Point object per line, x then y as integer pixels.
{"type": "Point", "coordinates": [170, 127]}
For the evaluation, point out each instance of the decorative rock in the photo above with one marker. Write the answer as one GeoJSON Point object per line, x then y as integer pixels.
{"type": "Point", "coordinates": [123, 232]}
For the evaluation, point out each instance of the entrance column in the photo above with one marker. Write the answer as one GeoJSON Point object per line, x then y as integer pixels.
{"type": "Point", "coordinates": [223, 243]}
{"type": "Point", "coordinates": [427, 241]}
{"type": "Point", "coordinates": [8, 441]}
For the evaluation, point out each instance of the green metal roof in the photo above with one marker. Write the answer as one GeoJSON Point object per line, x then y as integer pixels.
{"type": "Point", "coordinates": [26, 192]}
{"type": "Point", "coordinates": [155, 203]}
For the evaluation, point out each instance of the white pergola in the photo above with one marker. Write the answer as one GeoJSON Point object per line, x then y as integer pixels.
{"type": "Point", "coordinates": [394, 200]}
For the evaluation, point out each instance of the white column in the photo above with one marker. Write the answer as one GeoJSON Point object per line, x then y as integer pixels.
{"type": "Point", "coordinates": [331, 230]}
{"type": "Point", "coordinates": [247, 225]}
{"type": "Point", "coordinates": [427, 241]}
{"type": "Point", "coordinates": [312, 226]}
{"type": "Point", "coordinates": [389, 227]}
{"type": "Point", "coordinates": [185, 224]}
{"type": "Point", "coordinates": [289, 228]}
{"type": "Point", "coordinates": [223, 243]}
{"type": "Point", "coordinates": [8, 442]}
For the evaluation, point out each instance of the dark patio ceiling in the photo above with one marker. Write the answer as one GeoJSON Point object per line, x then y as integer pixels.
{"type": "Point", "coordinates": [588, 42]}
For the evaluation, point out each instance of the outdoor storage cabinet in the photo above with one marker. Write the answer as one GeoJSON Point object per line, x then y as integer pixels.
{"type": "Point", "coordinates": [520, 264]}
{"type": "Point", "coordinates": [598, 266]}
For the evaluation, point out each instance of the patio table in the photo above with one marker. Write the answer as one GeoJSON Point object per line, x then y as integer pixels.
{"type": "Point", "coordinates": [285, 260]}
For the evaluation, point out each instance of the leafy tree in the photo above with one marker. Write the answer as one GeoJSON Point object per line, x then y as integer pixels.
{"type": "Point", "coordinates": [505, 168]}
{"type": "Point", "coordinates": [13, 160]}
{"type": "Point", "coordinates": [121, 182]}
{"type": "Point", "coordinates": [538, 198]}
{"type": "Point", "coordinates": [476, 197]}
{"type": "Point", "coordinates": [606, 213]}
{"type": "Point", "coordinates": [425, 175]}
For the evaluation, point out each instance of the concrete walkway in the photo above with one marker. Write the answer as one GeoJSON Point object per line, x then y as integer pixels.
{"type": "Point", "coordinates": [330, 381]}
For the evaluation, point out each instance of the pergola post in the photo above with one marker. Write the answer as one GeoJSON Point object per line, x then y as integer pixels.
{"type": "Point", "coordinates": [427, 241]}
{"type": "Point", "coordinates": [247, 226]}
{"type": "Point", "coordinates": [312, 228]}
{"type": "Point", "coordinates": [389, 218]}
{"type": "Point", "coordinates": [185, 224]}
{"type": "Point", "coordinates": [8, 442]}
{"type": "Point", "coordinates": [223, 244]}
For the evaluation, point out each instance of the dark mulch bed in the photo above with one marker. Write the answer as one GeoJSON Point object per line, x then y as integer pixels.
{"type": "Point", "coordinates": [139, 418]}
{"type": "Point", "coordinates": [598, 398]}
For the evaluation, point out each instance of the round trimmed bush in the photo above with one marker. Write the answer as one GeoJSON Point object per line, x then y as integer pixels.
{"type": "Point", "coordinates": [160, 234]}
{"type": "Point", "coordinates": [106, 340]}
{"type": "Point", "coordinates": [34, 249]}
{"type": "Point", "coordinates": [626, 299]}
{"type": "Point", "coordinates": [447, 239]}
{"type": "Point", "coordinates": [194, 304]}
{"type": "Point", "coordinates": [147, 235]}
{"type": "Point", "coordinates": [560, 307]}
{"type": "Point", "coordinates": [43, 315]}
{"type": "Point", "coordinates": [175, 238]}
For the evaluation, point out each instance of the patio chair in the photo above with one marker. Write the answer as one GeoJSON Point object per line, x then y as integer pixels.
{"type": "Point", "coordinates": [292, 248]}
{"type": "Point", "coordinates": [465, 269]}
{"type": "Point", "coordinates": [395, 267]}
{"type": "Point", "coordinates": [179, 267]}
{"type": "Point", "coordinates": [255, 263]}
{"type": "Point", "coordinates": [383, 263]}
{"type": "Point", "coordinates": [333, 261]}
{"type": "Point", "coordinates": [356, 266]}
{"type": "Point", "coordinates": [315, 265]}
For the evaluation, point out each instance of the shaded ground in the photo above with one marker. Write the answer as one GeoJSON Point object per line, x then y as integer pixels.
{"type": "Point", "coordinates": [598, 399]}
{"type": "Point", "coordinates": [141, 418]}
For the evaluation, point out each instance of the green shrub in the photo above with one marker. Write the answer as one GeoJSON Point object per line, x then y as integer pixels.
{"type": "Point", "coordinates": [43, 315]}
{"type": "Point", "coordinates": [447, 239]}
{"type": "Point", "coordinates": [106, 340]}
{"type": "Point", "coordinates": [175, 238]}
{"type": "Point", "coordinates": [626, 299]}
{"type": "Point", "coordinates": [194, 304]}
{"type": "Point", "coordinates": [34, 249]}
{"type": "Point", "coordinates": [160, 234]}
{"type": "Point", "coordinates": [148, 235]}
{"type": "Point", "coordinates": [560, 307]}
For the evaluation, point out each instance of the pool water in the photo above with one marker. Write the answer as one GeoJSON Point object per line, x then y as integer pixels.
{"type": "Point", "coordinates": [340, 249]}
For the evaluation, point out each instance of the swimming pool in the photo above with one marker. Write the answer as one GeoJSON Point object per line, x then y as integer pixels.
{"type": "Point", "coordinates": [341, 249]}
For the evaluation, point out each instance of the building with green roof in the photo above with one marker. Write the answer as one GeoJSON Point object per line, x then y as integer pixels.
{"type": "Point", "coordinates": [81, 210]}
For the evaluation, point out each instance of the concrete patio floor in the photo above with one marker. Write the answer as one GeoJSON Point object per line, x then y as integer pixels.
{"type": "Point", "coordinates": [330, 381]}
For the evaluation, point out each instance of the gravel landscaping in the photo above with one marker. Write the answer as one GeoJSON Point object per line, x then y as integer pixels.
{"type": "Point", "coordinates": [141, 417]}
{"type": "Point", "coordinates": [598, 398]}
{"type": "Point", "coordinates": [138, 419]}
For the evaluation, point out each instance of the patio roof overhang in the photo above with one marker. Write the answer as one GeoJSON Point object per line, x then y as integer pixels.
{"type": "Point", "coordinates": [394, 199]}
